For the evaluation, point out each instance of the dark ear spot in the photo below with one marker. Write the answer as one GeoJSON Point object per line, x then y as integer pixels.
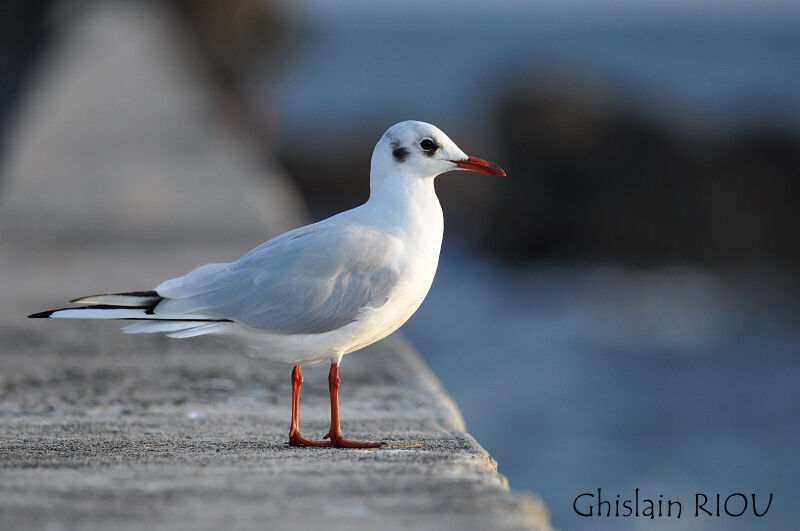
{"type": "Point", "coordinates": [400, 153]}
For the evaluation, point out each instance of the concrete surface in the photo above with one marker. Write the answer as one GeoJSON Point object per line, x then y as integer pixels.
{"type": "Point", "coordinates": [119, 178]}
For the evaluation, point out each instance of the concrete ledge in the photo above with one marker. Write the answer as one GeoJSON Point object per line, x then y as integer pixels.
{"type": "Point", "coordinates": [177, 437]}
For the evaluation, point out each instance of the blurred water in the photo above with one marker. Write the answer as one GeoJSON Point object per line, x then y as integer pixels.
{"type": "Point", "coordinates": [574, 377]}
{"type": "Point", "coordinates": [365, 62]}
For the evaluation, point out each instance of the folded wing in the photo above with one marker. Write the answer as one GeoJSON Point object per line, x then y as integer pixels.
{"type": "Point", "coordinates": [308, 281]}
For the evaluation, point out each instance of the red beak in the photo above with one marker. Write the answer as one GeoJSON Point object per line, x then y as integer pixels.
{"type": "Point", "coordinates": [483, 166]}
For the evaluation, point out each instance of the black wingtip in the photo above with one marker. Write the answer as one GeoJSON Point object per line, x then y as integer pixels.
{"type": "Point", "coordinates": [143, 294]}
{"type": "Point", "coordinates": [41, 315]}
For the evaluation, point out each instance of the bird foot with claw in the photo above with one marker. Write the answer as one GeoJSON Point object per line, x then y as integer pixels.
{"type": "Point", "coordinates": [295, 439]}
{"type": "Point", "coordinates": [338, 441]}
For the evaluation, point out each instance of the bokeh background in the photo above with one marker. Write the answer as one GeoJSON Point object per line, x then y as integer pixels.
{"type": "Point", "coordinates": [622, 309]}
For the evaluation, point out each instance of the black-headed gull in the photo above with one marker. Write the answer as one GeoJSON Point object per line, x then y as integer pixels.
{"type": "Point", "coordinates": [321, 291]}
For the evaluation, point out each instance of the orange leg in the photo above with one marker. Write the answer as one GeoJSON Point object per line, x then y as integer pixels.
{"type": "Point", "coordinates": [295, 439]}
{"type": "Point", "coordinates": [335, 434]}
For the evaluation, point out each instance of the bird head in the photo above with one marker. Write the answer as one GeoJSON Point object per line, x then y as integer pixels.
{"type": "Point", "coordinates": [423, 150]}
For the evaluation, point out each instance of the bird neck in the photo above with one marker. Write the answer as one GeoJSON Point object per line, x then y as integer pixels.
{"type": "Point", "coordinates": [402, 188]}
{"type": "Point", "coordinates": [408, 200]}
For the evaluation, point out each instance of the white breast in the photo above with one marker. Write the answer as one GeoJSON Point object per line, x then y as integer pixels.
{"type": "Point", "coordinates": [418, 227]}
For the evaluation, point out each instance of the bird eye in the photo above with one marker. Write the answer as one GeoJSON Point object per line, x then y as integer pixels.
{"type": "Point", "coordinates": [428, 145]}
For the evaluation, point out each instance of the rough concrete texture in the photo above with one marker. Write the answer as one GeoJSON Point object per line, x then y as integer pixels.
{"type": "Point", "coordinates": [116, 182]}
{"type": "Point", "coordinates": [101, 432]}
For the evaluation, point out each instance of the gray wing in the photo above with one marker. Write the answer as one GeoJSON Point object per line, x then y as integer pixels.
{"type": "Point", "coordinates": [308, 281]}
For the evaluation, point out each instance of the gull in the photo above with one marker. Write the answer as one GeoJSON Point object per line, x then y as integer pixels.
{"type": "Point", "coordinates": [321, 291]}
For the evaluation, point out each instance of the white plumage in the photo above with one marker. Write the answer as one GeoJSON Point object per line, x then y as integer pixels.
{"type": "Point", "coordinates": [323, 290]}
{"type": "Point", "coordinates": [320, 291]}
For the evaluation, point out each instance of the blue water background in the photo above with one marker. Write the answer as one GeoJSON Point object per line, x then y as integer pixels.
{"type": "Point", "coordinates": [354, 64]}
{"type": "Point", "coordinates": [675, 380]}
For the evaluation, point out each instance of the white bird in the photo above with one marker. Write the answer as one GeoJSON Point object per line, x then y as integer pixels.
{"type": "Point", "coordinates": [321, 291]}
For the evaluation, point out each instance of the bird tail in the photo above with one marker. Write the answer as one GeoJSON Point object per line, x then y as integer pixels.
{"type": "Point", "coordinates": [131, 305]}
{"type": "Point", "coordinates": [138, 306]}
